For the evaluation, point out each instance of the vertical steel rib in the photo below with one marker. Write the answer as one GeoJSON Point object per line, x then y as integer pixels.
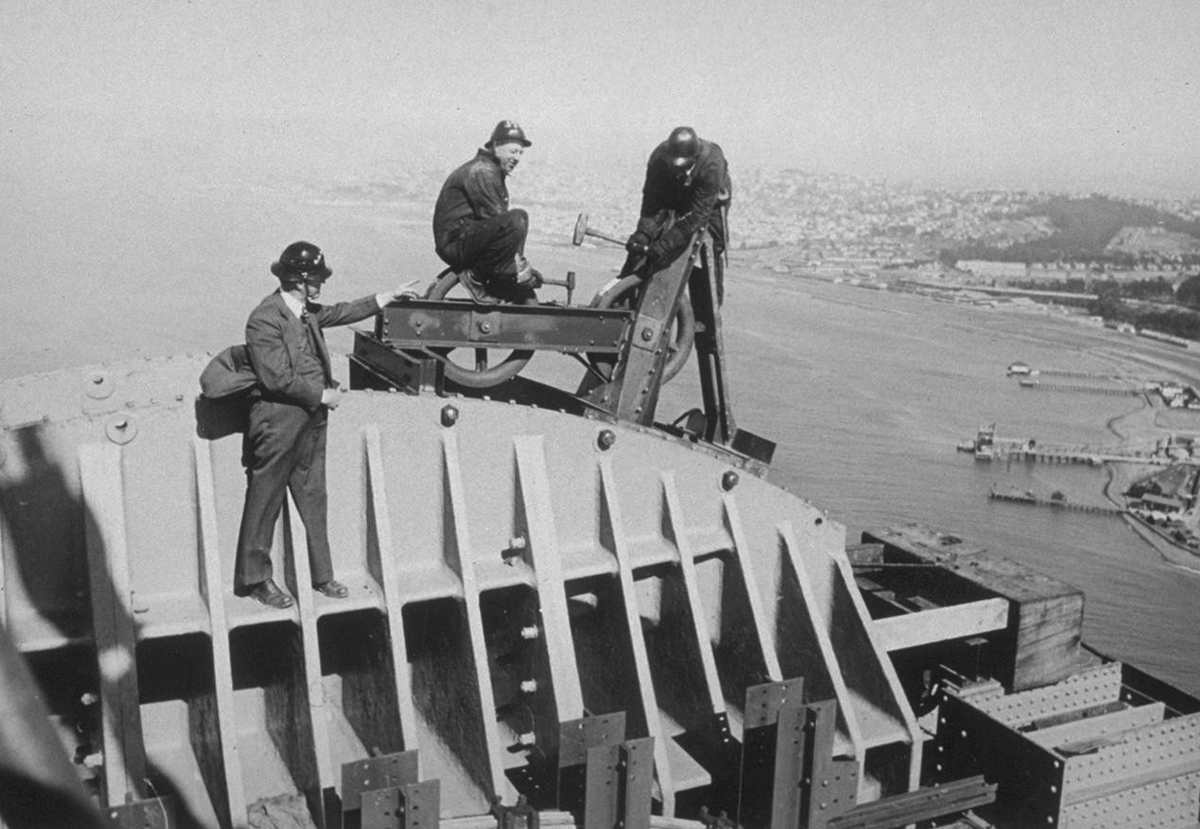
{"type": "Point", "coordinates": [470, 583]}
{"type": "Point", "coordinates": [687, 567]}
{"type": "Point", "coordinates": [845, 702]}
{"type": "Point", "coordinates": [637, 637]}
{"type": "Point", "coordinates": [745, 562]}
{"type": "Point", "coordinates": [214, 593]}
{"type": "Point", "coordinates": [390, 583]}
{"type": "Point", "coordinates": [112, 618]}
{"type": "Point", "coordinates": [547, 565]}
{"type": "Point", "coordinates": [317, 705]}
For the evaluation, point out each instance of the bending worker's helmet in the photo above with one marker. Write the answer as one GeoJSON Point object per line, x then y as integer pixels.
{"type": "Point", "coordinates": [301, 261]}
{"type": "Point", "coordinates": [683, 146]}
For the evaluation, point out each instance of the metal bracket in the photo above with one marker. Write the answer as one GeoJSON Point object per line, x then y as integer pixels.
{"type": "Point", "coordinates": [411, 806]}
{"type": "Point", "coordinates": [619, 785]}
{"type": "Point", "coordinates": [387, 771]}
{"type": "Point", "coordinates": [154, 813]}
{"type": "Point", "coordinates": [773, 751]}
{"type": "Point", "coordinates": [576, 737]}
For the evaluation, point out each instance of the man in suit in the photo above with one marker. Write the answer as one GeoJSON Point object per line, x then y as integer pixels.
{"type": "Point", "coordinates": [476, 234]}
{"type": "Point", "coordinates": [285, 441]}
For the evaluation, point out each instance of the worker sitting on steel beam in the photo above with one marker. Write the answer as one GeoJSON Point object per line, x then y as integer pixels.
{"type": "Point", "coordinates": [686, 178]}
{"type": "Point", "coordinates": [476, 233]}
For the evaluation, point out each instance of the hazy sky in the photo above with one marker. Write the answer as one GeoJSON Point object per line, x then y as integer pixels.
{"type": "Point", "coordinates": [1100, 94]}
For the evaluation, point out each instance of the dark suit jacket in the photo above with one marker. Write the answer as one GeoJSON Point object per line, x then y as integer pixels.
{"type": "Point", "coordinates": [288, 368]}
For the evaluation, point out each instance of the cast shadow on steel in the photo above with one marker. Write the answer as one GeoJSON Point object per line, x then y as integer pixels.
{"type": "Point", "coordinates": [50, 530]}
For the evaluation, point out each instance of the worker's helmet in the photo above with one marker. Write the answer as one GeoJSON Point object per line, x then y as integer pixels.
{"type": "Point", "coordinates": [301, 261]}
{"type": "Point", "coordinates": [683, 146]}
{"type": "Point", "coordinates": [506, 132]}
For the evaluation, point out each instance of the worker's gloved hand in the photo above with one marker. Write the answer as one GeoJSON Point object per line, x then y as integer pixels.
{"type": "Point", "coordinates": [527, 274]}
{"type": "Point", "coordinates": [659, 250]}
{"type": "Point", "coordinates": [667, 245]}
{"type": "Point", "coordinates": [531, 277]}
{"type": "Point", "coordinates": [638, 242]}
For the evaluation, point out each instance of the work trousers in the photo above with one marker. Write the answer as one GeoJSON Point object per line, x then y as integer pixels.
{"type": "Point", "coordinates": [488, 247]}
{"type": "Point", "coordinates": [284, 450]}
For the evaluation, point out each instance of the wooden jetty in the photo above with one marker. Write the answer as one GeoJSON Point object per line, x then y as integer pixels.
{"type": "Point", "coordinates": [1078, 389]}
{"type": "Point", "coordinates": [1026, 497]}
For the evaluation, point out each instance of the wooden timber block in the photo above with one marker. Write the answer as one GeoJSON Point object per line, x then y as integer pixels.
{"type": "Point", "coordinates": [1041, 643]}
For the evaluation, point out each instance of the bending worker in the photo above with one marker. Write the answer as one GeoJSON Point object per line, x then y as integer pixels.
{"type": "Point", "coordinates": [474, 231]}
{"type": "Point", "coordinates": [687, 178]}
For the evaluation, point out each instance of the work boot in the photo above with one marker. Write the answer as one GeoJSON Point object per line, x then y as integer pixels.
{"type": "Point", "coordinates": [475, 288]}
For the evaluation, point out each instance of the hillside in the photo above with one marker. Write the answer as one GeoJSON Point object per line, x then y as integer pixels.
{"type": "Point", "coordinates": [1082, 228]}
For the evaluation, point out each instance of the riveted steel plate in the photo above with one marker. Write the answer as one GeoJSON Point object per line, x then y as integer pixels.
{"type": "Point", "coordinates": [428, 323]}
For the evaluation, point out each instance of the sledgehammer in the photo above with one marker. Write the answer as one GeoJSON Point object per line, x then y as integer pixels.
{"type": "Point", "coordinates": [582, 230]}
{"type": "Point", "coordinates": [568, 283]}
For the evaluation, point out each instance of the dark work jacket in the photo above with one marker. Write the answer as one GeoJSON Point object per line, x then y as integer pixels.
{"type": "Point", "coordinates": [476, 190]}
{"type": "Point", "coordinates": [290, 365]}
{"type": "Point", "coordinates": [692, 200]}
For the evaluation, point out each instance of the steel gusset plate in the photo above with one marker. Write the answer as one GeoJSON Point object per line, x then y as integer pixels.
{"type": "Point", "coordinates": [457, 324]}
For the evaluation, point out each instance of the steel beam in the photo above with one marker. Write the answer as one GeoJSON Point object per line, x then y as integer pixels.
{"type": "Point", "coordinates": [459, 323]}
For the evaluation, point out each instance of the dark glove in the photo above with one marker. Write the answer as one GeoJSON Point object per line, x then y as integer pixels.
{"type": "Point", "coordinates": [660, 250]}
{"type": "Point", "coordinates": [638, 242]}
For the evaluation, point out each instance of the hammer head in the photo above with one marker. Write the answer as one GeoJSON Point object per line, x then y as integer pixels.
{"type": "Point", "coordinates": [581, 228]}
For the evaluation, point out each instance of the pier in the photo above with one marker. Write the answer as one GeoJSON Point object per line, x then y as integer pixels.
{"type": "Point", "coordinates": [1018, 497]}
{"type": "Point", "coordinates": [1029, 450]}
{"type": "Point", "coordinates": [1081, 375]}
{"type": "Point", "coordinates": [1071, 387]}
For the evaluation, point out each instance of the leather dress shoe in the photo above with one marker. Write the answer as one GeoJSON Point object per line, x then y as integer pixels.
{"type": "Point", "coordinates": [475, 288]}
{"type": "Point", "coordinates": [333, 588]}
{"type": "Point", "coordinates": [268, 593]}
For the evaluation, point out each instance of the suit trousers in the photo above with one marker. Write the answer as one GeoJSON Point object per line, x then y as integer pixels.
{"type": "Point", "coordinates": [284, 450]}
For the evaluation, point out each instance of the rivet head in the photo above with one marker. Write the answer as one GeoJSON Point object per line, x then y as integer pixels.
{"type": "Point", "coordinates": [120, 428]}
{"type": "Point", "coordinates": [729, 480]}
{"type": "Point", "coordinates": [449, 415]}
{"type": "Point", "coordinates": [99, 386]}
{"type": "Point", "coordinates": [606, 439]}
{"type": "Point", "coordinates": [647, 335]}
{"type": "Point", "coordinates": [485, 327]}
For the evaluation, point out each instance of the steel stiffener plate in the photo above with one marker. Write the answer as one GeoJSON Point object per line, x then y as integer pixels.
{"type": "Point", "coordinates": [425, 323]}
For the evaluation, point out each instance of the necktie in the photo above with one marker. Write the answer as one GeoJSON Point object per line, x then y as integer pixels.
{"type": "Point", "coordinates": [318, 344]}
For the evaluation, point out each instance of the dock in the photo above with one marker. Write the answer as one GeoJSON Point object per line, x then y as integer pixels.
{"type": "Point", "coordinates": [1018, 497]}
{"type": "Point", "coordinates": [1023, 450]}
{"type": "Point", "coordinates": [1078, 389]}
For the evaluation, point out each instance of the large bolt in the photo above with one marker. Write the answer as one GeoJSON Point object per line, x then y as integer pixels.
{"type": "Point", "coordinates": [449, 415]}
{"type": "Point", "coordinates": [729, 480]}
{"type": "Point", "coordinates": [606, 439]}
